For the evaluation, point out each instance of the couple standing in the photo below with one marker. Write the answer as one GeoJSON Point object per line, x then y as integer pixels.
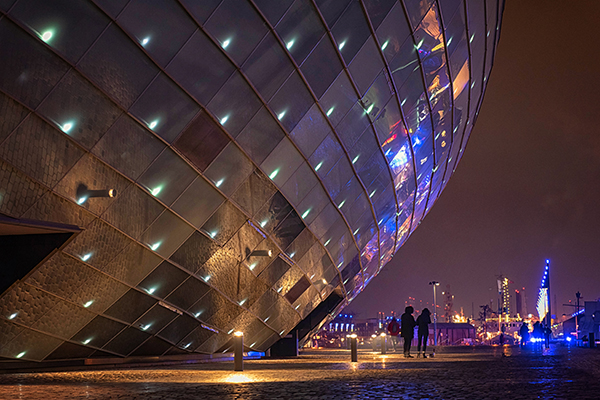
{"type": "Point", "coordinates": [407, 330]}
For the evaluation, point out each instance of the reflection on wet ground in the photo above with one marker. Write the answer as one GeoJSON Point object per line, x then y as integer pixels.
{"type": "Point", "coordinates": [465, 373]}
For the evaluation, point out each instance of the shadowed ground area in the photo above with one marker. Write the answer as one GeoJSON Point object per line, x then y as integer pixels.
{"type": "Point", "coordinates": [458, 373]}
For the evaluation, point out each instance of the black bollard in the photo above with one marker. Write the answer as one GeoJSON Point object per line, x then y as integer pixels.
{"type": "Point", "coordinates": [592, 340]}
{"type": "Point", "coordinates": [353, 348]}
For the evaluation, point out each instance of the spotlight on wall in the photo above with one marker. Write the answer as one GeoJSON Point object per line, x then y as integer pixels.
{"type": "Point", "coordinates": [262, 253]}
{"type": "Point", "coordinates": [83, 193]}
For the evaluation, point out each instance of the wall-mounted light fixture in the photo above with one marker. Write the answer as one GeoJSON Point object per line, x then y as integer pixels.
{"type": "Point", "coordinates": [83, 193]}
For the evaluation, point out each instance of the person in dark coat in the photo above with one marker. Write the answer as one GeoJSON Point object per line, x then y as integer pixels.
{"type": "Point", "coordinates": [524, 333]}
{"type": "Point", "coordinates": [423, 322]}
{"type": "Point", "coordinates": [407, 327]}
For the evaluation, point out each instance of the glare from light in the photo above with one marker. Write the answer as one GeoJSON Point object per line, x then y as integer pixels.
{"type": "Point", "coordinates": [324, 281]}
{"type": "Point", "coordinates": [293, 254]}
{"type": "Point", "coordinates": [355, 159]}
{"type": "Point", "coordinates": [82, 200]}
{"type": "Point", "coordinates": [238, 333]}
{"type": "Point", "coordinates": [67, 127]}
{"type": "Point", "coordinates": [86, 341]}
{"type": "Point", "coordinates": [46, 36]}
{"type": "Point", "coordinates": [330, 111]}
{"type": "Point", "coordinates": [155, 246]}
{"type": "Point", "coordinates": [145, 41]}
{"type": "Point", "coordinates": [238, 378]}
{"type": "Point", "coordinates": [206, 278]}
{"type": "Point", "coordinates": [252, 266]}
{"type": "Point", "coordinates": [290, 44]}
{"type": "Point", "coordinates": [146, 327]}
{"type": "Point", "coordinates": [224, 119]}
{"type": "Point", "coordinates": [472, 37]}
{"type": "Point", "coordinates": [13, 316]}
{"type": "Point", "coordinates": [372, 193]}
{"type": "Point", "coordinates": [318, 166]}
{"type": "Point", "coordinates": [242, 302]}
{"type": "Point", "coordinates": [263, 223]}
{"type": "Point", "coordinates": [198, 314]}
{"type": "Point", "coordinates": [89, 303]}
{"type": "Point", "coordinates": [156, 190]}
{"type": "Point", "coordinates": [370, 108]}
{"type": "Point", "coordinates": [274, 174]}
{"type": "Point", "coordinates": [327, 242]}
{"type": "Point", "coordinates": [281, 115]}
{"type": "Point", "coordinates": [449, 41]}
{"type": "Point", "coordinates": [153, 124]}
{"type": "Point", "coordinates": [305, 214]}
{"type": "Point", "coordinates": [86, 257]}
{"type": "Point", "coordinates": [342, 204]}
{"type": "Point", "coordinates": [356, 231]}
{"type": "Point", "coordinates": [226, 43]}
{"type": "Point", "coordinates": [21, 354]}
{"type": "Point", "coordinates": [341, 46]}
{"type": "Point", "coordinates": [213, 234]}
{"type": "Point", "coordinates": [385, 45]}
{"type": "Point", "coordinates": [219, 183]}
{"type": "Point", "coordinates": [151, 290]}
{"type": "Point", "coordinates": [382, 334]}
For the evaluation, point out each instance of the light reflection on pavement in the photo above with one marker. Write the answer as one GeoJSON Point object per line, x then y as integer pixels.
{"type": "Point", "coordinates": [454, 373]}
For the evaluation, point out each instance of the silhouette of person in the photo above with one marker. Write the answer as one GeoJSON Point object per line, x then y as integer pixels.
{"type": "Point", "coordinates": [423, 322]}
{"type": "Point", "coordinates": [394, 329]}
{"type": "Point", "coordinates": [547, 332]}
{"type": "Point", "coordinates": [524, 333]}
{"type": "Point", "coordinates": [407, 322]}
{"type": "Point", "coordinates": [538, 332]}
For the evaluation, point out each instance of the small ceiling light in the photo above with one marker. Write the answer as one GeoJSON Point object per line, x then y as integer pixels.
{"type": "Point", "coordinates": [153, 124]}
{"type": "Point", "coordinates": [226, 43]}
{"type": "Point", "coordinates": [281, 115]}
{"type": "Point", "coordinates": [13, 316]}
{"type": "Point", "coordinates": [20, 354]}
{"type": "Point", "coordinates": [89, 303]}
{"type": "Point", "coordinates": [342, 204]}
{"type": "Point", "coordinates": [319, 166]}
{"type": "Point", "coordinates": [213, 234]}
{"type": "Point", "coordinates": [341, 46]}
{"type": "Point", "coordinates": [327, 242]}
{"type": "Point", "coordinates": [385, 45]}
{"type": "Point", "coordinates": [156, 191]}
{"type": "Point", "coordinates": [355, 159]}
{"type": "Point", "coordinates": [219, 182]}
{"type": "Point", "coordinates": [356, 231]}
{"type": "Point", "coordinates": [274, 174]}
{"type": "Point", "coordinates": [206, 278]}
{"type": "Point", "coordinates": [145, 41]}
{"type": "Point", "coordinates": [151, 290]}
{"type": "Point", "coordinates": [305, 214]}
{"type": "Point", "coordinates": [86, 257]}
{"type": "Point", "coordinates": [86, 341]}
{"type": "Point", "coordinates": [238, 333]}
{"type": "Point", "coordinates": [290, 44]}
{"type": "Point", "coordinates": [146, 327]}
{"type": "Point", "coordinates": [66, 127]}
{"type": "Point", "coordinates": [82, 193]}
{"type": "Point", "coordinates": [241, 303]}
{"type": "Point", "coordinates": [198, 313]}
{"type": "Point", "coordinates": [46, 36]}
{"type": "Point", "coordinates": [224, 119]}
{"type": "Point", "coordinates": [155, 245]}
{"type": "Point", "coordinates": [263, 223]}
{"type": "Point", "coordinates": [330, 111]}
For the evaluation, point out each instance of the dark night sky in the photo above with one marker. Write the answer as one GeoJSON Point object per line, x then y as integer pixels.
{"type": "Point", "coordinates": [528, 186]}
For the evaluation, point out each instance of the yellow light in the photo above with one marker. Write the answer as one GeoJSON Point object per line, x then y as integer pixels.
{"type": "Point", "coordinates": [353, 336]}
{"type": "Point", "coordinates": [382, 334]}
{"type": "Point", "coordinates": [238, 378]}
{"type": "Point", "coordinates": [238, 333]}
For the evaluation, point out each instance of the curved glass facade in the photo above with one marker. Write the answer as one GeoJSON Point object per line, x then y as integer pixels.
{"type": "Point", "coordinates": [320, 132]}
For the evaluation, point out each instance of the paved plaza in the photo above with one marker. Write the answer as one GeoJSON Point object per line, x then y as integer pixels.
{"type": "Point", "coordinates": [457, 373]}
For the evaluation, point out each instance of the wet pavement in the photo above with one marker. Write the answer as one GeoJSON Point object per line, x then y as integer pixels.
{"type": "Point", "coordinates": [454, 373]}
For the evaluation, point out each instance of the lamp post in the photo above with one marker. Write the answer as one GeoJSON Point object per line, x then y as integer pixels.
{"type": "Point", "coordinates": [434, 284]}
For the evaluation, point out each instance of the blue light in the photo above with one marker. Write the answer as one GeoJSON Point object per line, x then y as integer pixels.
{"type": "Point", "coordinates": [547, 261]}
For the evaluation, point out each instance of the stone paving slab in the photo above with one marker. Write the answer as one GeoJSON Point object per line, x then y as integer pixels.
{"type": "Point", "coordinates": [477, 373]}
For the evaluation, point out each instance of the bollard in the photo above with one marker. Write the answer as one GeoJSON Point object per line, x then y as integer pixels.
{"type": "Point", "coordinates": [383, 346]}
{"type": "Point", "coordinates": [592, 340]}
{"type": "Point", "coordinates": [238, 351]}
{"type": "Point", "coordinates": [353, 348]}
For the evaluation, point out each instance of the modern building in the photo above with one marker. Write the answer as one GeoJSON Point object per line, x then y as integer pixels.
{"type": "Point", "coordinates": [172, 171]}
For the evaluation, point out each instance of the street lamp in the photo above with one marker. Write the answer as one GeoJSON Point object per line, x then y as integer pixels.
{"type": "Point", "coordinates": [434, 284]}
